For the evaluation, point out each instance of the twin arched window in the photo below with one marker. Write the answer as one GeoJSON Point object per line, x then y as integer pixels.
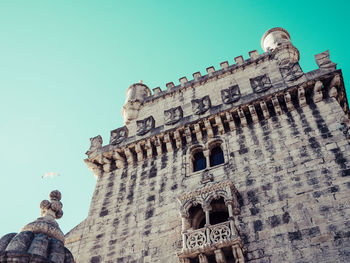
{"type": "Point", "coordinates": [199, 160]}
{"type": "Point", "coordinates": [218, 213]}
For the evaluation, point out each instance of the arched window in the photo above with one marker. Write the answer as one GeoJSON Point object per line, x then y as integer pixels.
{"type": "Point", "coordinates": [219, 211]}
{"type": "Point", "coordinates": [198, 160]}
{"type": "Point", "coordinates": [197, 217]}
{"type": "Point", "coordinates": [216, 155]}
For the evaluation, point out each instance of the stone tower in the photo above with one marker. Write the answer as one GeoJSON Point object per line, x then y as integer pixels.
{"type": "Point", "coordinates": [248, 163]}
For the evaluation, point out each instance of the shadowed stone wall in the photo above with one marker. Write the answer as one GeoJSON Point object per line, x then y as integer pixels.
{"type": "Point", "coordinates": [288, 160]}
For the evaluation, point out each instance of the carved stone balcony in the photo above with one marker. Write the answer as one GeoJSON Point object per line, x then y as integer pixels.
{"type": "Point", "coordinates": [209, 238]}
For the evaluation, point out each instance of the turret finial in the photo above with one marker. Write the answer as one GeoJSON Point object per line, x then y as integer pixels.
{"type": "Point", "coordinates": [53, 207]}
{"type": "Point", "coordinates": [46, 224]}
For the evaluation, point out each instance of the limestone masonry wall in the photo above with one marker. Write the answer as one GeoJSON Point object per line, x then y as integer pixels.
{"type": "Point", "coordinates": [286, 170]}
{"type": "Point", "coordinates": [292, 172]}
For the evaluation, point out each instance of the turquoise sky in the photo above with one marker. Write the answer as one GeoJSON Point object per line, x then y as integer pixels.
{"type": "Point", "coordinates": [65, 67]}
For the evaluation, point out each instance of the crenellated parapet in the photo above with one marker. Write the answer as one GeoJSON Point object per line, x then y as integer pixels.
{"type": "Point", "coordinates": [121, 153]}
{"type": "Point", "coordinates": [222, 101]}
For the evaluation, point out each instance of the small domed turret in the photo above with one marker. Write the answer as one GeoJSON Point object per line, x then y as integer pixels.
{"type": "Point", "coordinates": [274, 37]}
{"type": "Point", "coordinates": [135, 95]}
{"type": "Point", "coordinates": [278, 41]}
{"type": "Point", "coordinates": [40, 241]}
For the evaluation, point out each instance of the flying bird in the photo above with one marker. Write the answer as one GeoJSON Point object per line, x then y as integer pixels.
{"type": "Point", "coordinates": [51, 174]}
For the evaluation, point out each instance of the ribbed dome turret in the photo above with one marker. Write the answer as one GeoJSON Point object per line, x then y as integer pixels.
{"type": "Point", "coordinates": [41, 241]}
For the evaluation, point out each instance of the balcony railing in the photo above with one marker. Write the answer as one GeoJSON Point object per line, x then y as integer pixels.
{"type": "Point", "coordinates": [209, 236]}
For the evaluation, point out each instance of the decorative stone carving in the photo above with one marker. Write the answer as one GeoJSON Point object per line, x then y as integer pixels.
{"type": "Point", "coordinates": [173, 115]}
{"type": "Point", "coordinates": [207, 177]}
{"type": "Point", "coordinates": [196, 239]}
{"type": "Point", "coordinates": [145, 125]}
{"type": "Point", "coordinates": [200, 106]}
{"type": "Point", "coordinates": [95, 144]}
{"type": "Point", "coordinates": [260, 83]}
{"type": "Point", "coordinates": [226, 188]}
{"type": "Point", "coordinates": [118, 135]}
{"type": "Point", "coordinates": [230, 95]}
{"type": "Point", "coordinates": [291, 72]}
{"type": "Point", "coordinates": [220, 233]}
{"type": "Point", "coordinates": [46, 224]}
{"type": "Point", "coordinates": [324, 62]}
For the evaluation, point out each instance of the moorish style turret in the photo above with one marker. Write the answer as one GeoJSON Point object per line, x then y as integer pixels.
{"type": "Point", "coordinates": [40, 241]}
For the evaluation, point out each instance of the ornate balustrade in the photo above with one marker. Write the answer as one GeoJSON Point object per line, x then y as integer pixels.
{"type": "Point", "coordinates": [217, 235]}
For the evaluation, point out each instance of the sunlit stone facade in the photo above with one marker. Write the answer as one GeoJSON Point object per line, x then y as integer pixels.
{"type": "Point", "coordinates": [248, 163]}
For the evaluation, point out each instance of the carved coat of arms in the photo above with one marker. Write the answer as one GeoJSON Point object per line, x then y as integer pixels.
{"type": "Point", "coordinates": [118, 135]}
{"type": "Point", "coordinates": [291, 72]}
{"type": "Point", "coordinates": [261, 83]}
{"type": "Point", "coordinates": [145, 125]}
{"type": "Point", "coordinates": [230, 95]}
{"type": "Point", "coordinates": [200, 106]}
{"type": "Point", "coordinates": [173, 115]}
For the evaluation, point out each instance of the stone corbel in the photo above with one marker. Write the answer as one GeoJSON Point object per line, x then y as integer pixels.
{"type": "Point", "coordinates": [219, 124]}
{"type": "Point", "coordinates": [198, 131]}
{"type": "Point", "coordinates": [265, 110]}
{"type": "Point", "coordinates": [148, 147]}
{"type": "Point", "coordinates": [139, 152]}
{"type": "Point", "coordinates": [119, 160]}
{"type": "Point", "coordinates": [288, 100]}
{"type": "Point", "coordinates": [178, 140]}
{"type": "Point", "coordinates": [129, 156]}
{"type": "Point", "coordinates": [253, 113]}
{"type": "Point", "coordinates": [188, 135]}
{"type": "Point", "coordinates": [301, 97]}
{"type": "Point", "coordinates": [209, 129]}
{"type": "Point", "coordinates": [158, 144]}
{"type": "Point", "coordinates": [318, 91]}
{"type": "Point", "coordinates": [335, 83]}
{"type": "Point", "coordinates": [107, 165]}
{"type": "Point", "coordinates": [242, 117]}
{"type": "Point", "coordinates": [167, 141]}
{"type": "Point", "coordinates": [276, 105]}
{"type": "Point", "coordinates": [230, 121]}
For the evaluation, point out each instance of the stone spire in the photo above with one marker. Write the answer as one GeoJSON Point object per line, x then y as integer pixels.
{"type": "Point", "coordinates": [46, 224]}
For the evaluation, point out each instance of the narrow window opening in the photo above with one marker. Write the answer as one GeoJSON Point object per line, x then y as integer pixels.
{"type": "Point", "coordinates": [219, 212]}
{"type": "Point", "coordinates": [216, 156]}
{"type": "Point", "coordinates": [199, 161]}
{"type": "Point", "coordinates": [197, 217]}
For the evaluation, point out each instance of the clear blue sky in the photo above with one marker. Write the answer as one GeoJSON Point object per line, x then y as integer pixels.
{"type": "Point", "coordinates": [65, 67]}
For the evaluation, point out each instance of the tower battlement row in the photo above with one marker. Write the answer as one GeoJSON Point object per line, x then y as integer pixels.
{"type": "Point", "coordinates": [264, 85]}
{"type": "Point", "coordinates": [249, 163]}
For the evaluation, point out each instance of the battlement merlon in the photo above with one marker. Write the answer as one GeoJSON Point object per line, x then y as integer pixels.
{"type": "Point", "coordinates": [280, 55]}
{"type": "Point", "coordinates": [244, 91]}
